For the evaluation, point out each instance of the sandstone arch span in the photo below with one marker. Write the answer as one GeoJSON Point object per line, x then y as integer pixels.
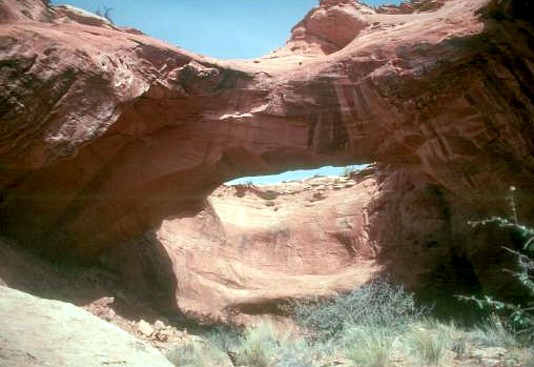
{"type": "Point", "coordinates": [105, 132]}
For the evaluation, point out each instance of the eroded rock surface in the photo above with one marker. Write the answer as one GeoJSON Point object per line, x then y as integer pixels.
{"type": "Point", "coordinates": [329, 27]}
{"type": "Point", "coordinates": [253, 249]}
{"type": "Point", "coordinates": [105, 133]}
{"type": "Point", "coordinates": [38, 332]}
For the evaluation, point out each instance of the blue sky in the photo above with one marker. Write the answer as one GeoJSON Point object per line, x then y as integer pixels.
{"type": "Point", "coordinates": [294, 175]}
{"type": "Point", "coordinates": [219, 28]}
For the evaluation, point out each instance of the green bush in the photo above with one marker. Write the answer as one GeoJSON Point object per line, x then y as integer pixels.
{"type": "Point", "coordinates": [377, 304]}
{"type": "Point", "coordinates": [517, 318]}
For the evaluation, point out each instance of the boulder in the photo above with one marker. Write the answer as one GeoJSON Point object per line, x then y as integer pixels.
{"type": "Point", "coordinates": [39, 332]}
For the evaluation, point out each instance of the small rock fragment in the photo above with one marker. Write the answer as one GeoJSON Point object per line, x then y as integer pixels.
{"type": "Point", "coordinates": [145, 328]}
{"type": "Point", "coordinates": [159, 325]}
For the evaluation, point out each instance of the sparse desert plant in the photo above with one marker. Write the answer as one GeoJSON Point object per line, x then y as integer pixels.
{"type": "Point", "coordinates": [196, 354]}
{"type": "Point", "coordinates": [299, 353]}
{"type": "Point", "coordinates": [368, 347]}
{"type": "Point", "coordinates": [377, 304]}
{"type": "Point", "coordinates": [461, 347]}
{"type": "Point", "coordinates": [518, 318]}
{"type": "Point", "coordinates": [349, 170]}
{"type": "Point", "coordinates": [187, 354]}
{"type": "Point", "coordinates": [527, 359]}
{"type": "Point", "coordinates": [263, 345]}
{"type": "Point", "coordinates": [258, 346]}
{"type": "Point", "coordinates": [457, 339]}
{"type": "Point", "coordinates": [227, 339]}
{"type": "Point", "coordinates": [106, 13]}
{"type": "Point", "coordinates": [428, 344]}
{"type": "Point", "coordinates": [492, 333]}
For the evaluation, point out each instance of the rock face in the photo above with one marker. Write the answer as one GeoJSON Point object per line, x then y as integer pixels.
{"type": "Point", "coordinates": [105, 133]}
{"type": "Point", "coordinates": [329, 27]}
{"type": "Point", "coordinates": [411, 6]}
{"type": "Point", "coordinates": [39, 332]}
{"type": "Point", "coordinates": [253, 249]}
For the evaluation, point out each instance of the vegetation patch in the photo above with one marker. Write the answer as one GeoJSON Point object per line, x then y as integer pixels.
{"type": "Point", "coordinates": [378, 325]}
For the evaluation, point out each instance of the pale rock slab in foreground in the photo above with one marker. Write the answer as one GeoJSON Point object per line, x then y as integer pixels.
{"type": "Point", "coordinates": [36, 332]}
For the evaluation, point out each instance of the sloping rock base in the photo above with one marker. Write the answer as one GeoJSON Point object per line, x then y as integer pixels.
{"type": "Point", "coordinates": [38, 332]}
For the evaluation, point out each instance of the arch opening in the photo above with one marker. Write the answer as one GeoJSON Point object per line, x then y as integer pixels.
{"type": "Point", "coordinates": [300, 174]}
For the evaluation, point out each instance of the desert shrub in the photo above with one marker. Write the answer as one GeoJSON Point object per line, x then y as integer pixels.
{"type": "Point", "coordinates": [349, 170]}
{"type": "Point", "coordinates": [528, 357]}
{"type": "Point", "coordinates": [517, 318]}
{"type": "Point", "coordinates": [428, 344]}
{"type": "Point", "coordinates": [263, 345]}
{"type": "Point", "coordinates": [368, 347]}
{"type": "Point", "coordinates": [106, 13]}
{"type": "Point", "coordinates": [377, 304]}
{"type": "Point", "coordinates": [460, 346]}
{"type": "Point", "coordinates": [226, 339]}
{"type": "Point", "coordinates": [196, 354]}
{"type": "Point", "coordinates": [258, 346]}
{"type": "Point", "coordinates": [492, 333]}
{"type": "Point", "coordinates": [185, 355]}
{"type": "Point", "coordinates": [300, 353]}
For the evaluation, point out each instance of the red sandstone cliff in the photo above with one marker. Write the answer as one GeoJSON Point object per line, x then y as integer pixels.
{"type": "Point", "coordinates": [254, 248]}
{"type": "Point", "coordinates": [105, 133]}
